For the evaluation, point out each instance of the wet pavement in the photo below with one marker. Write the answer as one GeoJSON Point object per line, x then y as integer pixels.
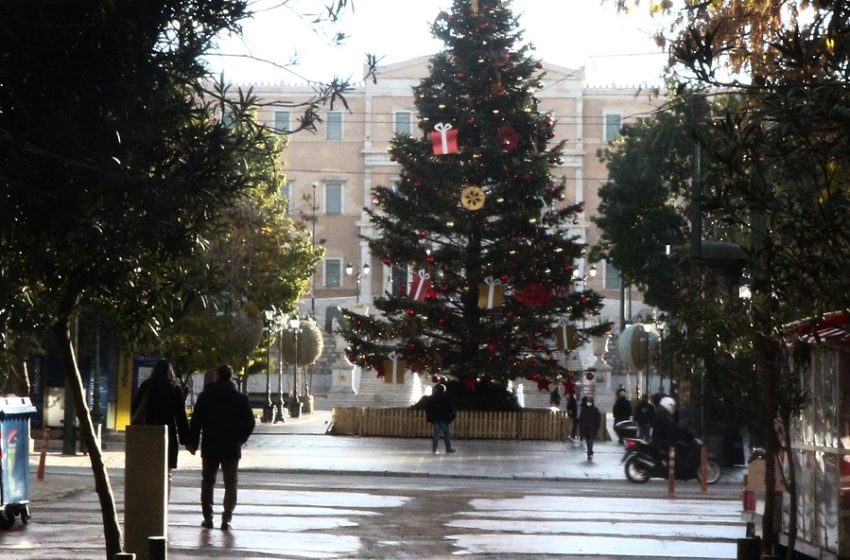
{"type": "Point", "coordinates": [313, 495]}
{"type": "Point", "coordinates": [302, 446]}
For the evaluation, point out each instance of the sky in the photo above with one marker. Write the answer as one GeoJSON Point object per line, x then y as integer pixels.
{"type": "Point", "coordinates": [616, 49]}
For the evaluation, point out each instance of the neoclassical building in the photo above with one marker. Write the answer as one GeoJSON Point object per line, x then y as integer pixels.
{"type": "Point", "coordinates": [331, 173]}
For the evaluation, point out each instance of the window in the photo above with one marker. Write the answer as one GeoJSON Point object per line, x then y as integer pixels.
{"type": "Point", "coordinates": [399, 280]}
{"type": "Point", "coordinates": [612, 277]}
{"type": "Point", "coordinates": [281, 121]}
{"type": "Point", "coordinates": [402, 122]}
{"type": "Point", "coordinates": [333, 273]}
{"type": "Point", "coordinates": [286, 193]}
{"type": "Point", "coordinates": [334, 123]}
{"type": "Point", "coordinates": [613, 124]}
{"type": "Point", "coordinates": [333, 197]}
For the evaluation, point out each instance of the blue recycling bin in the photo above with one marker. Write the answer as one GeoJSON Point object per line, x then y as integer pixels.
{"type": "Point", "coordinates": [15, 413]}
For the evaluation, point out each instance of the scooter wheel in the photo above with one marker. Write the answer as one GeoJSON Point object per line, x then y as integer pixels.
{"type": "Point", "coordinates": [713, 471]}
{"type": "Point", "coordinates": [25, 515]}
{"type": "Point", "coordinates": [635, 472]}
{"type": "Point", "coordinates": [7, 519]}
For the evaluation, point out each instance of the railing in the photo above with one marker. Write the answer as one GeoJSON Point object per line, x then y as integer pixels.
{"type": "Point", "coordinates": [405, 422]}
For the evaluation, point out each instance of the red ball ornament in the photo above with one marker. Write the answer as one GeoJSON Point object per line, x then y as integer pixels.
{"type": "Point", "coordinates": [589, 376]}
{"type": "Point", "coordinates": [460, 75]}
{"type": "Point", "coordinates": [441, 321]}
{"type": "Point", "coordinates": [430, 294]}
{"type": "Point", "coordinates": [508, 136]}
{"type": "Point", "coordinates": [411, 345]}
{"type": "Point", "coordinates": [392, 157]}
{"type": "Point", "coordinates": [417, 184]}
{"type": "Point", "coordinates": [430, 259]}
{"type": "Point", "coordinates": [411, 312]}
{"type": "Point", "coordinates": [504, 278]}
{"type": "Point", "coordinates": [585, 300]}
{"type": "Point", "coordinates": [422, 233]}
{"type": "Point", "coordinates": [471, 121]}
{"type": "Point", "coordinates": [526, 177]}
{"type": "Point", "coordinates": [568, 268]}
{"type": "Point", "coordinates": [387, 261]}
{"type": "Point", "coordinates": [484, 26]}
{"type": "Point", "coordinates": [538, 65]}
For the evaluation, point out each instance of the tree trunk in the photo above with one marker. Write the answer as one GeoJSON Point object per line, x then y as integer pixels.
{"type": "Point", "coordinates": [111, 525]}
{"type": "Point", "coordinates": [767, 365]}
{"type": "Point", "coordinates": [790, 487]}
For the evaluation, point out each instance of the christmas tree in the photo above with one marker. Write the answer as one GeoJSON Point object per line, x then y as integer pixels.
{"type": "Point", "coordinates": [478, 219]}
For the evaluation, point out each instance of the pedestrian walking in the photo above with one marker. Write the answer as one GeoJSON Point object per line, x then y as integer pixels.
{"type": "Point", "coordinates": [645, 417]}
{"type": "Point", "coordinates": [590, 421]}
{"type": "Point", "coordinates": [162, 401]}
{"type": "Point", "coordinates": [222, 422]}
{"type": "Point", "coordinates": [622, 411]}
{"type": "Point", "coordinates": [572, 412]}
{"type": "Point", "coordinates": [555, 398]}
{"type": "Point", "coordinates": [440, 413]}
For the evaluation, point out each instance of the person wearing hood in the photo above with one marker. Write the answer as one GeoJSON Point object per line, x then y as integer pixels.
{"type": "Point", "coordinates": [222, 422]}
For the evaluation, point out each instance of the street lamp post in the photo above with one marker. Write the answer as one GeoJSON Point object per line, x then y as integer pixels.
{"type": "Point", "coordinates": [363, 272]}
{"type": "Point", "coordinates": [279, 406]}
{"type": "Point", "coordinates": [295, 406]}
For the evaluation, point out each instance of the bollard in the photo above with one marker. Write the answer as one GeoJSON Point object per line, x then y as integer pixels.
{"type": "Point", "coordinates": [703, 470]}
{"type": "Point", "coordinates": [748, 548]}
{"type": "Point", "coordinates": [157, 548]}
{"type": "Point", "coordinates": [671, 473]}
{"type": "Point", "coordinates": [124, 556]}
{"type": "Point", "coordinates": [41, 460]}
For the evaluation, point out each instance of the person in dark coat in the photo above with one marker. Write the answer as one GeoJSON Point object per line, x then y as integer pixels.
{"type": "Point", "coordinates": [224, 416]}
{"type": "Point", "coordinates": [160, 400]}
{"type": "Point", "coordinates": [590, 420]}
{"type": "Point", "coordinates": [622, 411]}
{"type": "Point", "coordinates": [645, 417]}
{"type": "Point", "coordinates": [555, 398]}
{"type": "Point", "coordinates": [572, 412]}
{"type": "Point", "coordinates": [440, 413]}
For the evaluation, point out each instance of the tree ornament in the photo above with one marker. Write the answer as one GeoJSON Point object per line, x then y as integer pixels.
{"type": "Point", "coordinates": [430, 259]}
{"type": "Point", "coordinates": [444, 139]}
{"type": "Point", "coordinates": [411, 345]}
{"type": "Point", "coordinates": [411, 312]}
{"type": "Point", "coordinates": [471, 120]}
{"type": "Point", "coordinates": [504, 278]}
{"type": "Point", "coordinates": [508, 136]}
{"type": "Point", "coordinates": [589, 376]}
{"type": "Point", "coordinates": [471, 383]}
{"type": "Point", "coordinates": [460, 75]}
{"type": "Point", "coordinates": [421, 283]}
{"type": "Point", "coordinates": [565, 335]}
{"type": "Point", "coordinates": [533, 294]}
{"type": "Point", "coordinates": [387, 261]}
{"type": "Point", "coordinates": [472, 198]}
{"type": "Point", "coordinates": [491, 293]}
{"type": "Point", "coordinates": [441, 321]}
{"type": "Point", "coordinates": [393, 368]}
{"type": "Point", "coordinates": [422, 233]}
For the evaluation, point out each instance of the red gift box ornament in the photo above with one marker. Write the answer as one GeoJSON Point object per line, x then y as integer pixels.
{"type": "Point", "coordinates": [508, 136]}
{"type": "Point", "coordinates": [444, 139]}
{"type": "Point", "coordinates": [420, 286]}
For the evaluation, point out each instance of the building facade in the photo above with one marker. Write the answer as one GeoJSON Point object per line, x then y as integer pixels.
{"type": "Point", "coordinates": [330, 174]}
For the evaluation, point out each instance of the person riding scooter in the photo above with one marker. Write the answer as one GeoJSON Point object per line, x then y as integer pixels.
{"type": "Point", "coordinates": [666, 433]}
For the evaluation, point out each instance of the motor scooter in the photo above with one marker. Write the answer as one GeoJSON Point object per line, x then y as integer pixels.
{"type": "Point", "coordinates": [643, 461]}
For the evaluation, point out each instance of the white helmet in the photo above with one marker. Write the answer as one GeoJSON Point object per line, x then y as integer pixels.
{"type": "Point", "coordinates": [668, 404]}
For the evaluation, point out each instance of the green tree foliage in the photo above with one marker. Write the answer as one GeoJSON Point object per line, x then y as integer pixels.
{"type": "Point", "coordinates": [784, 150]}
{"type": "Point", "coordinates": [257, 260]}
{"type": "Point", "coordinates": [483, 84]}
{"type": "Point", "coordinates": [114, 165]}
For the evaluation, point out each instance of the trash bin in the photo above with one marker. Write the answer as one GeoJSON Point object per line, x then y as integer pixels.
{"type": "Point", "coordinates": [15, 413]}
